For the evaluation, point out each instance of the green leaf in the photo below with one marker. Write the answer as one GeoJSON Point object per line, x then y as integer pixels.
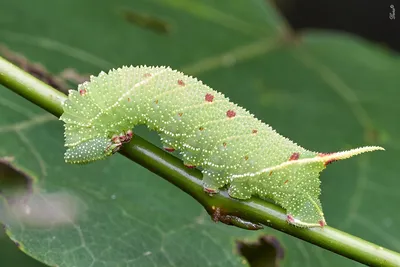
{"type": "Point", "coordinates": [13, 182]}
{"type": "Point", "coordinates": [329, 93]}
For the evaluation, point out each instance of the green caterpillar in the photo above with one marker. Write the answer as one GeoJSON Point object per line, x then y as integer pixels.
{"type": "Point", "coordinates": [230, 144]}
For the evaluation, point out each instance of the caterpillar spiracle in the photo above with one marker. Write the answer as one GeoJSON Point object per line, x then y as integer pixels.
{"type": "Point", "coordinates": [233, 148]}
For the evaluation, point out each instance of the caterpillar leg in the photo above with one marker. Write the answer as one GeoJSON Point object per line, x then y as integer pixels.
{"type": "Point", "coordinates": [92, 150]}
{"type": "Point", "coordinates": [239, 190]}
{"type": "Point", "coordinates": [124, 137]}
{"type": "Point", "coordinates": [305, 211]}
{"type": "Point", "coordinates": [210, 185]}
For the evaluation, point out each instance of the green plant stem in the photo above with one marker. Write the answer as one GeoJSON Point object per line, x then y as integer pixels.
{"type": "Point", "coordinates": [188, 180]}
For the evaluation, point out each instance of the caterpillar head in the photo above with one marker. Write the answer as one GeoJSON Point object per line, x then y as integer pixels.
{"type": "Point", "coordinates": [97, 148]}
{"type": "Point", "coordinates": [91, 150]}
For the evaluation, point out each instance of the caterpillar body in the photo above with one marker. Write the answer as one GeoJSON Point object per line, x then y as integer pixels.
{"type": "Point", "coordinates": [233, 148]}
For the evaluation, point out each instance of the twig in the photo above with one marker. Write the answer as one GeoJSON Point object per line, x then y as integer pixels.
{"type": "Point", "coordinates": [188, 180]}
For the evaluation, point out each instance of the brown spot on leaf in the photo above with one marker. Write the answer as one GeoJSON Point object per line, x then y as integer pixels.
{"type": "Point", "coordinates": [201, 128]}
{"type": "Point", "coordinates": [224, 144]}
{"type": "Point", "coordinates": [147, 75]}
{"type": "Point", "coordinates": [180, 114]}
{"type": "Point", "coordinates": [230, 113]}
{"type": "Point", "coordinates": [270, 173]}
{"type": "Point", "coordinates": [246, 157]}
{"type": "Point", "coordinates": [254, 131]}
{"type": "Point", "coordinates": [181, 83]}
{"type": "Point", "coordinates": [372, 136]}
{"type": "Point", "coordinates": [286, 181]}
{"type": "Point", "coordinates": [209, 98]}
{"type": "Point", "coordinates": [146, 21]}
{"type": "Point", "coordinates": [156, 101]}
{"type": "Point", "coordinates": [129, 99]}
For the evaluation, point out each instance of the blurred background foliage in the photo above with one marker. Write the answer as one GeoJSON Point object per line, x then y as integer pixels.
{"type": "Point", "coordinates": [327, 91]}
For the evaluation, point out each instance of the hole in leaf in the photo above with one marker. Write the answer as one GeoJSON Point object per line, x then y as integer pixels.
{"type": "Point", "coordinates": [13, 182]}
{"type": "Point", "coordinates": [265, 252]}
{"type": "Point", "coordinates": [22, 204]}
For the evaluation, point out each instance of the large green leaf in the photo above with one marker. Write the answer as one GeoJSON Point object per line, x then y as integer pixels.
{"type": "Point", "coordinates": [329, 92]}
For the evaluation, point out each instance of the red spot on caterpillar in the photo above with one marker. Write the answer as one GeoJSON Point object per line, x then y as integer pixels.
{"type": "Point", "coordinates": [190, 166]}
{"type": "Point", "coordinates": [246, 157]}
{"type": "Point", "coordinates": [115, 139]}
{"type": "Point", "coordinates": [180, 114]}
{"type": "Point", "coordinates": [169, 149]}
{"type": "Point", "coordinates": [328, 161]}
{"type": "Point", "coordinates": [115, 149]}
{"type": "Point", "coordinates": [129, 135]}
{"type": "Point", "coordinates": [147, 75]}
{"type": "Point", "coordinates": [82, 92]}
{"type": "Point", "coordinates": [290, 219]}
{"type": "Point", "coordinates": [181, 83]}
{"type": "Point", "coordinates": [294, 156]}
{"type": "Point", "coordinates": [286, 182]}
{"type": "Point", "coordinates": [324, 154]}
{"type": "Point", "coordinates": [322, 223]}
{"type": "Point", "coordinates": [230, 113]}
{"type": "Point", "coordinates": [270, 173]}
{"type": "Point", "coordinates": [210, 191]}
{"type": "Point", "coordinates": [122, 138]}
{"type": "Point", "coordinates": [254, 131]}
{"type": "Point", "coordinates": [209, 98]}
